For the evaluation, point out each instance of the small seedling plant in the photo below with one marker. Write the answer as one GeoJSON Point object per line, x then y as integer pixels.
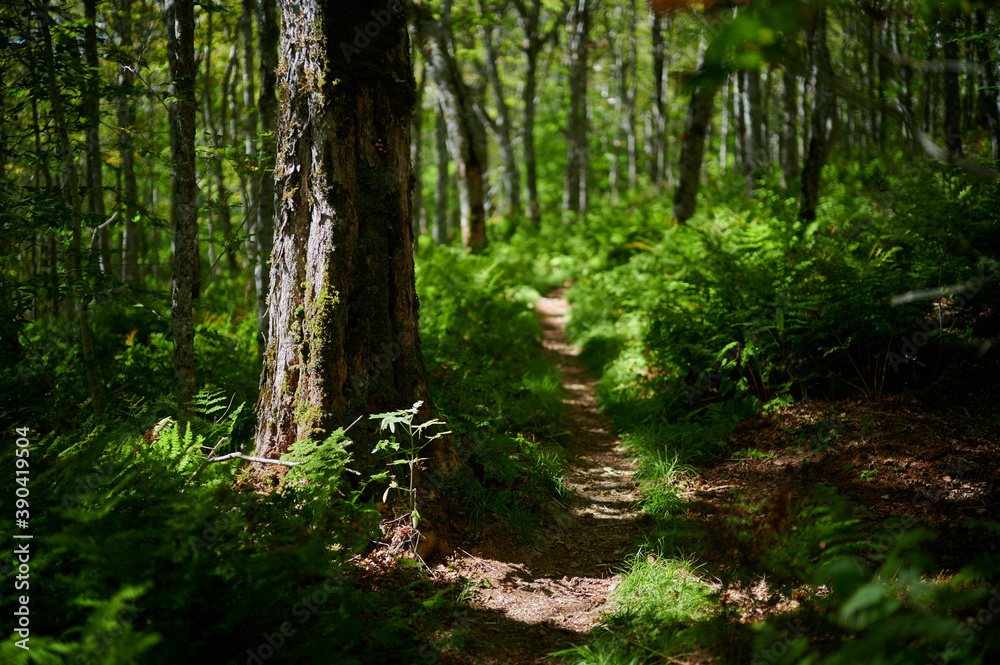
{"type": "Point", "coordinates": [404, 451]}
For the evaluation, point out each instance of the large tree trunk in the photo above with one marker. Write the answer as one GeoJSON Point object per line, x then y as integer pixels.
{"type": "Point", "coordinates": [75, 276]}
{"type": "Point", "coordinates": [179, 16]}
{"type": "Point", "coordinates": [693, 148]}
{"type": "Point", "coordinates": [267, 42]}
{"type": "Point", "coordinates": [343, 340]}
{"type": "Point", "coordinates": [577, 135]}
{"type": "Point", "coordinates": [823, 114]}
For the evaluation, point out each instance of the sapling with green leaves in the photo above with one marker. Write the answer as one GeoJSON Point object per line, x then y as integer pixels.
{"type": "Point", "coordinates": [413, 437]}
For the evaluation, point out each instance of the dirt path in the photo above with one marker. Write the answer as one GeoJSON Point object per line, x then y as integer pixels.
{"type": "Point", "coordinates": [532, 600]}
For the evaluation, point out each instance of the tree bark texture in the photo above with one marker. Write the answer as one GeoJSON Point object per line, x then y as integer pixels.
{"type": "Point", "coordinates": [343, 338]}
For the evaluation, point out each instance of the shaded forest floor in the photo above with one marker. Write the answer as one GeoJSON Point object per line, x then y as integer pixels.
{"type": "Point", "coordinates": [934, 463]}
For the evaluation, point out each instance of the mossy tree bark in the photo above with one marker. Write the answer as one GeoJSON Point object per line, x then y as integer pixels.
{"type": "Point", "coordinates": [343, 339]}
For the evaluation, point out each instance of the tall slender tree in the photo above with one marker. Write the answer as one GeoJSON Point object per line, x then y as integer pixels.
{"type": "Point", "coordinates": [179, 17]}
{"type": "Point", "coordinates": [578, 18]}
{"type": "Point", "coordinates": [703, 88]}
{"type": "Point", "coordinates": [657, 163]}
{"type": "Point", "coordinates": [823, 112]}
{"type": "Point", "coordinates": [502, 124]}
{"type": "Point", "coordinates": [529, 14]}
{"type": "Point", "coordinates": [988, 84]}
{"type": "Point", "coordinates": [75, 275]}
{"type": "Point", "coordinates": [442, 184]}
{"type": "Point", "coordinates": [789, 140]}
{"type": "Point", "coordinates": [92, 127]}
{"type": "Point", "coordinates": [126, 116]}
{"type": "Point", "coordinates": [466, 133]}
{"type": "Point", "coordinates": [416, 157]}
{"type": "Point", "coordinates": [952, 89]}
{"type": "Point", "coordinates": [267, 105]}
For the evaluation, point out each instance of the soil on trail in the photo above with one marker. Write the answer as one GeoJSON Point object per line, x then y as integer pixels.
{"type": "Point", "coordinates": [538, 598]}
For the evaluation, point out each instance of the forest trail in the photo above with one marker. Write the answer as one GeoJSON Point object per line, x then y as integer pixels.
{"type": "Point", "coordinates": [533, 599]}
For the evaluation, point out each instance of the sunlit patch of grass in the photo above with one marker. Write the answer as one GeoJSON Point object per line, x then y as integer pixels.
{"type": "Point", "coordinates": [658, 475]}
{"type": "Point", "coordinates": [602, 652]}
{"type": "Point", "coordinates": [663, 611]}
{"type": "Point", "coordinates": [663, 590]}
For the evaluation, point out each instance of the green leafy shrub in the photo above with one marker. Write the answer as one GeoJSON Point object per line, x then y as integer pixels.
{"type": "Point", "coordinates": [147, 554]}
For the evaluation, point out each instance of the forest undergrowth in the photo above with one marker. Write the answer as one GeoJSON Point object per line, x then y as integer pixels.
{"type": "Point", "coordinates": [822, 459]}
{"type": "Point", "coordinates": [818, 464]}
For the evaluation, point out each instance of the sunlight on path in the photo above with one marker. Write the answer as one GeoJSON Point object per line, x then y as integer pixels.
{"type": "Point", "coordinates": [535, 599]}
